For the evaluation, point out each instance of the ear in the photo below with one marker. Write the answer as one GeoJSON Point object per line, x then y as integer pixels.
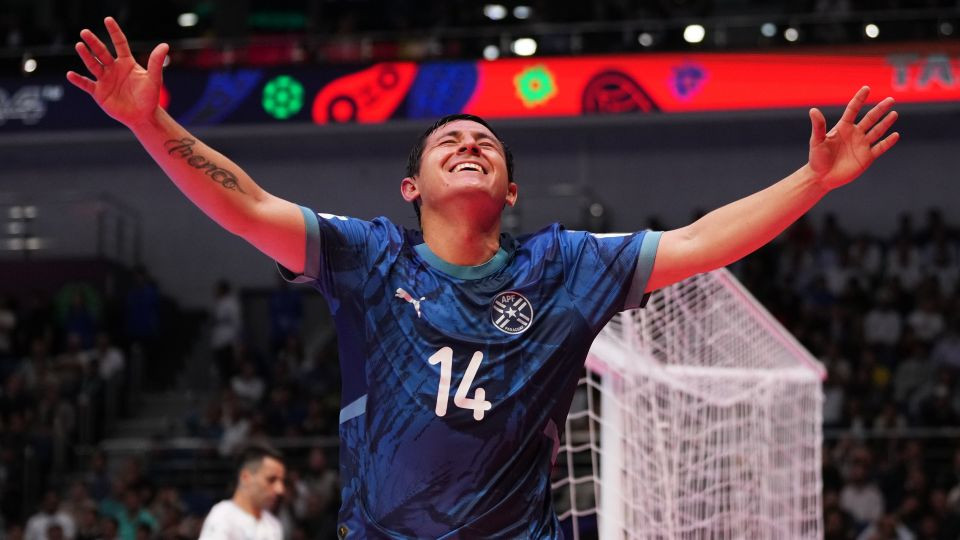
{"type": "Point", "coordinates": [409, 190]}
{"type": "Point", "coordinates": [244, 477]}
{"type": "Point", "coordinates": [511, 194]}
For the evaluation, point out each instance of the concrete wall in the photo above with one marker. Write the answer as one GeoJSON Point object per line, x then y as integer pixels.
{"type": "Point", "coordinates": [638, 166]}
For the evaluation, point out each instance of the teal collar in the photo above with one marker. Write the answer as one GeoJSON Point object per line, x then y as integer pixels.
{"type": "Point", "coordinates": [463, 272]}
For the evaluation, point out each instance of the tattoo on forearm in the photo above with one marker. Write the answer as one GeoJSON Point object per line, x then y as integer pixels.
{"type": "Point", "coordinates": [183, 148]}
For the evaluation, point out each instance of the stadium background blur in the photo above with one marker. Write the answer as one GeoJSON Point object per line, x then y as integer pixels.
{"type": "Point", "coordinates": [140, 346]}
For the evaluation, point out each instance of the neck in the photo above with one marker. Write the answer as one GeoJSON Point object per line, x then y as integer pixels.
{"type": "Point", "coordinates": [461, 241]}
{"type": "Point", "coordinates": [246, 505]}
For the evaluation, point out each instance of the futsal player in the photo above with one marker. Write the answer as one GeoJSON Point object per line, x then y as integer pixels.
{"type": "Point", "coordinates": [260, 477]}
{"type": "Point", "coordinates": [460, 347]}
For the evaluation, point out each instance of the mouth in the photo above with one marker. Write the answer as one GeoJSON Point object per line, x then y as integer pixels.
{"type": "Point", "coordinates": [468, 166]}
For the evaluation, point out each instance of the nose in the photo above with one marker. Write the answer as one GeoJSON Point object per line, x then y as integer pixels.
{"type": "Point", "coordinates": [469, 147]}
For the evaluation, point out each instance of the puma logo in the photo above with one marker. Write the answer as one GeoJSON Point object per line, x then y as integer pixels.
{"type": "Point", "coordinates": [406, 296]}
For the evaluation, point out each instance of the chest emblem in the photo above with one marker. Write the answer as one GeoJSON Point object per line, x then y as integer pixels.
{"type": "Point", "coordinates": [406, 296]}
{"type": "Point", "coordinates": [511, 312]}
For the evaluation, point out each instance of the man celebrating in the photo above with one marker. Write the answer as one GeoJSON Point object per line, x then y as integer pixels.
{"type": "Point", "coordinates": [247, 516]}
{"type": "Point", "coordinates": [460, 347]}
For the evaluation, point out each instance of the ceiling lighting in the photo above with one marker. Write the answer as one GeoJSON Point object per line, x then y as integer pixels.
{"type": "Point", "coordinates": [491, 52]}
{"type": "Point", "coordinates": [522, 12]}
{"type": "Point", "coordinates": [694, 33]}
{"type": "Point", "coordinates": [524, 47]}
{"type": "Point", "coordinates": [187, 20]}
{"type": "Point", "coordinates": [494, 12]}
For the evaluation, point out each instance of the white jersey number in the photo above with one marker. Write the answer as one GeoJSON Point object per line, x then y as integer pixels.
{"type": "Point", "coordinates": [477, 403]}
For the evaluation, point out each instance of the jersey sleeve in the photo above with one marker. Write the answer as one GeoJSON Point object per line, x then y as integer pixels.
{"type": "Point", "coordinates": [607, 273]}
{"type": "Point", "coordinates": [340, 251]}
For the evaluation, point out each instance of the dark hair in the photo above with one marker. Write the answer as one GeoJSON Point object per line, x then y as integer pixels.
{"type": "Point", "coordinates": [416, 153]}
{"type": "Point", "coordinates": [251, 457]}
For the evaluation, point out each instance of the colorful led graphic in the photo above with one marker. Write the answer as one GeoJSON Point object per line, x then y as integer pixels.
{"type": "Point", "coordinates": [282, 97]}
{"type": "Point", "coordinates": [225, 92]}
{"type": "Point", "coordinates": [520, 87]}
{"type": "Point", "coordinates": [535, 85]}
{"type": "Point", "coordinates": [368, 96]}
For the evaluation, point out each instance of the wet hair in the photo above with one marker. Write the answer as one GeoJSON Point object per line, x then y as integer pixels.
{"type": "Point", "coordinates": [252, 456]}
{"type": "Point", "coordinates": [416, 153]}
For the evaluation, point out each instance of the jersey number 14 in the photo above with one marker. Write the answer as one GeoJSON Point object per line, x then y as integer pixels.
{"type": "Point", "coordinates": [478, 403]}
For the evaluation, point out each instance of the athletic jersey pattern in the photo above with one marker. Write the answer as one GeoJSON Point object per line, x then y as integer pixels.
{"type": "Point", "coordinates": [457, 380]}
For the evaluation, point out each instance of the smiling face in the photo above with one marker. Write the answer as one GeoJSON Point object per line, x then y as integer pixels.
{"type": "Point", "coordinates": [463, 169]}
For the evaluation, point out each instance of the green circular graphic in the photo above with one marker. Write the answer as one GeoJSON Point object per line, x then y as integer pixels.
{"type": "Point", "coordinates": [535, 85]}
{"type": "Point", "coordinates": [282, 97]}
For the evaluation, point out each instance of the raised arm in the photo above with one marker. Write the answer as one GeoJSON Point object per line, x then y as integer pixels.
{"type": "Point", "coordinates": [739, 228]}
{"type": "Point", "coordinates": [131, 95]}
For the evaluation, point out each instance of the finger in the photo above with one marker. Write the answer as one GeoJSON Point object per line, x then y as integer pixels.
{"type": "Point", "coordinates": [81, 82]}
{"type": "Point", "coordinates": [93, 66]}
{"type": "Point", "coordinates": [818, 127]}
{"type": "Point", "coordinates": [853, 108]}
{"type": "Point", "coordinates": [875, 114]}
{"type": "Point", "coordinates": [99, 50]}
{"type": "Point", "coordinates": [878, 130]}
{"type": "Point", "coordinates": [119, 40]}
{"type": "Point", "coordinates": [155, 63]}
{"type": "Point", "coordinates": [884, 145]}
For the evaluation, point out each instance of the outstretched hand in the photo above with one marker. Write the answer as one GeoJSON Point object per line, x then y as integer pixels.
{"type": "Point", "coordinates": [121, 87]}
{"type": "Point", "coordinates": [849, 148]}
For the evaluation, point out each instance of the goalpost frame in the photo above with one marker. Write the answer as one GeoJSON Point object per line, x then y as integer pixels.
{"type": "Point", "coordinates": [615, 352]}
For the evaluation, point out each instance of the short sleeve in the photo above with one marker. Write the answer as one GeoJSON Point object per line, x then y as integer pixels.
{"type": "Point", "coordinates": [340, 251]}
{"type": "Point", "coordinates": [607, 273]}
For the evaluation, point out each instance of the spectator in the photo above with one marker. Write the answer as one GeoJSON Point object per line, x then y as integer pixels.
{"type": "Point", "coordinates": [903, 264]}
{"type": "Point", "coordinates": [225, 334]}
{"type": "Point", "coordinates": [248, 386]}
{"type": "Point", "coordinates": [79, 307]}
{"type": "Point", "coordinates": [937, 403]}
{"type": "Point", "coordinates": [88, 523]}
{"type": "Point", "coordinates": [132, 515]}
{"type": "Point", "coordinates": [926, 321]}
{"type": "Point", "coordinates": [321, 481]}
{"type": "Point", "coordinates": [110, 527]}
{"type": "Point", "coordinates": [946, 351]}
{"type": "Point", "coordinates": [883, 324]}
{"type": "Point", "coordinates": [861, 497]}
{"type": "Point", "coordinates": [911, 373]}
{"type": "Point", "coordinates": [38, 525]}
{"type": "Point", "coordinates": [109, 359]}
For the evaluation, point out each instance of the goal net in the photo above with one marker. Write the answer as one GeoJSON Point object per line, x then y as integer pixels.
{"type": "Point", "coordinates": [698, 417]}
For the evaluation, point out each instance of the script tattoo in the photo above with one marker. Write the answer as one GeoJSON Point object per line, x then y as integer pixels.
{"type": "Point", "coordinates": [183, 148]}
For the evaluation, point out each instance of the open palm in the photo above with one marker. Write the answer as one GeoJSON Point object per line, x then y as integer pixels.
{"type": "Point", "coordinates": [122, 88]}
{"type": "Point", "coordinates": [850, 147]}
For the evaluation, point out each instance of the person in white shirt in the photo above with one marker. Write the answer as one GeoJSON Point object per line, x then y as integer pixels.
{"type": "Point", "coordinates": [247, 516]}
{"type": "Point", "coordinates": [39, 525]}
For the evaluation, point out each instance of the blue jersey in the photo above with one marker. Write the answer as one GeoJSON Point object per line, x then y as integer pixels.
{"type": "Point", "coordinates": [457, 380]}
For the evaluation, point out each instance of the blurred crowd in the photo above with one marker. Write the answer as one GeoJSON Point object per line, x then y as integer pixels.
{"type": "Point", "coordinates": [883, 315]}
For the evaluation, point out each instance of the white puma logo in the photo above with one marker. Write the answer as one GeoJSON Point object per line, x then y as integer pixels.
{"type": "Point", "coordinates": [406, 296]}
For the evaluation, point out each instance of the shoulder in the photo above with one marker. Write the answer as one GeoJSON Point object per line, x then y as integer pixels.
{"type": "Point", "coordinates": [222, 510]}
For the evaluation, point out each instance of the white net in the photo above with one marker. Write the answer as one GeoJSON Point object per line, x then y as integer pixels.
{"type": "Point", "coordinates": [699, 417]}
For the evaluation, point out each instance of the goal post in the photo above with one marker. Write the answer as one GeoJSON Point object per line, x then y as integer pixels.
{"type": "Point", "coordinates": [698, 417]}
